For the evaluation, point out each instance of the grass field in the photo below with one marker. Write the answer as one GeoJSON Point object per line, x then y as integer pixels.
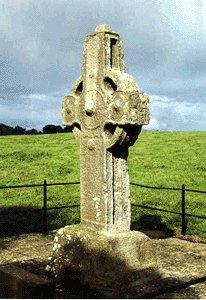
{"type": "Point", "coordinates": [158, 158]}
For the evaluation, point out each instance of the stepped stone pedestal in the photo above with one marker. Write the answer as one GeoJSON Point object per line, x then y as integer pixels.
{"type": "Point", "coordinates": [107, 111]}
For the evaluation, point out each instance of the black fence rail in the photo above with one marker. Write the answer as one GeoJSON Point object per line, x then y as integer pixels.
{"type": "Point", "coordinates": [45, 208]}
{"type": "Point", "coordinates": [183, 189]}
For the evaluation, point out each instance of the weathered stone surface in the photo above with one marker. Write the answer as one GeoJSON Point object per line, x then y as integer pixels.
{"type": "Point", "coordinates": [121, 260]}
{"type": "Point", "coordinates": [107, 111]}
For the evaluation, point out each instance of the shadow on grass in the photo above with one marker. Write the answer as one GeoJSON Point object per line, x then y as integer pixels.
{"type": "Point", "coordinates": [19, 220]}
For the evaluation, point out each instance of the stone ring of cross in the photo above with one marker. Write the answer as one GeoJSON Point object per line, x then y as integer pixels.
{"type": "Point", "coordinates": [104, 100]}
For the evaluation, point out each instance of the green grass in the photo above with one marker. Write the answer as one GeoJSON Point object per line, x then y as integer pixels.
{"type": "Point", "coordinates": [161, 159]}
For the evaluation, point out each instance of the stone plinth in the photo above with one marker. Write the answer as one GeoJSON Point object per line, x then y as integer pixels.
{"type": "Point", "coordinates": [113, 260]}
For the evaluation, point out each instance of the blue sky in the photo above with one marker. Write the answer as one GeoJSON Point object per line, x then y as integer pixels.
{"type": "Point", "coordinates": [41, 47]}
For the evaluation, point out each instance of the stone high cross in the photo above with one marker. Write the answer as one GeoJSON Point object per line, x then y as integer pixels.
{"type": "Point", "coordinates": [107, 111]}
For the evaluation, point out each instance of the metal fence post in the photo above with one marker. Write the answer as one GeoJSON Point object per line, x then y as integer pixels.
{"type": "Point", "coordinates": [183, 210]}
{"type": "Point", "coordinates": [45, 216]}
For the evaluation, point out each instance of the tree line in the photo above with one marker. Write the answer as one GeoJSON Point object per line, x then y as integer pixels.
{"type": "Point", "coordinates": [48, 129]}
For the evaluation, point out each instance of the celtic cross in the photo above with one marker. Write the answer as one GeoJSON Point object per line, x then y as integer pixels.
{"type": "Point", "coordinates": [107, 111]}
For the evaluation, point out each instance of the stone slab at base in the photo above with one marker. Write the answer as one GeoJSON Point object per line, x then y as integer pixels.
{"type": "Point", "coordinates": [16, 282]}
{"type": "Point", "coordinates": [116, 260]}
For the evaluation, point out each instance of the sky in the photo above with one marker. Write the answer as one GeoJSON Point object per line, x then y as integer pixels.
{"type": "Point", "coordinates": [41, 48]}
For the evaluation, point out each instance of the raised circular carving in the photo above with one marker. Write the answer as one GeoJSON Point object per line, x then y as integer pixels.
{"type": "Point", "coordinates": [68, 109]}
{"type": "Point", "coordinates": [89, 111]}
{"type": "Point", "coordinates": [116, 106]}
{"type": "Point", "coordinates": [91, 74]}
{"type": "Point", "coordinates": [92, 110]}
{"type": "Point", "coordinates": [91, 144]}
{"type": "Point", "coordinates": [90, 104]}
{"type": "Point", "coordinates": [116, 109]}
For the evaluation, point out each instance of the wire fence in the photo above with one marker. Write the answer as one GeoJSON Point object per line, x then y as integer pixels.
{"type": "Point", "coordinates": [183, 189]}
{"type": "Point", "coordinates": [45, 208]}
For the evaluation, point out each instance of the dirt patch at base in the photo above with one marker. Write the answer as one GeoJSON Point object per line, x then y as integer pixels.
{"type": "Point", "coordinates": [181, 258]}
{"type": "Point", "coordinates": [26, 246]}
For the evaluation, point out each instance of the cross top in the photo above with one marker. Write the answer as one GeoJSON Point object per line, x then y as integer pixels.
{"type": "Point", "coordinates": [107, 111]}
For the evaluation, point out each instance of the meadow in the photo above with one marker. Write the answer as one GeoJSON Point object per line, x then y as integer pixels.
{"type": "Point", "coordinates": [157, 159]}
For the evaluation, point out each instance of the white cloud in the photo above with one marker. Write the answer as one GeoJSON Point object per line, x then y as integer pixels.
{"type": "Point", "coordinates": [158, 99]}
{"type": "Point", "coordinates": [153, 124]}
{"type": "Point", "coordinates": [164, 50]}
{"type": "Point", "coordinates": [35, 96]}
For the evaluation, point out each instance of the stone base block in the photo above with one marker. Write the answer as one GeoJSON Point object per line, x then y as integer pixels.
{"type": "Point", "coordinates": [115, 260]}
